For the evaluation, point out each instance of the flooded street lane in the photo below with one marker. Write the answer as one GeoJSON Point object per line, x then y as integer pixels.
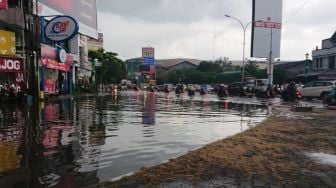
{"type": "Point", "coordinates": [89, 140]}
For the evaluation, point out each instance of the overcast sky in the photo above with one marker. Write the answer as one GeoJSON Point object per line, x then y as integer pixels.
{"type": "Point", "coordinates": [199, 29]}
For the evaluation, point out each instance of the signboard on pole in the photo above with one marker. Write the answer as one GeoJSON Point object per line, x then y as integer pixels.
{"type": "Point", "coordinates": [148, 55]}
{"type": "Point", "coordinates": [3, 4]}
{"type": "Point", "coordinates": [266, 28]}
{"type": "Point", "coordinates": [61, 28]}
{"type": "Point", "coordinates": [148, 62]}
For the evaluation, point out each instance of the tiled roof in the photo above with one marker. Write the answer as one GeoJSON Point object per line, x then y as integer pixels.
{"type": "Point", "coordinates": [173, 62]}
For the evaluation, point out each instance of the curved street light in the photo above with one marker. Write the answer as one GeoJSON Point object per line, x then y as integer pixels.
{"type": "Point", "coordinates": [244, 30]}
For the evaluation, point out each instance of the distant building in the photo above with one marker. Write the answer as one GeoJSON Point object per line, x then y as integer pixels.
{"type": "Point", "coordinates": [295, 69]}
{"type": "Point", "coordinates": [96, 44]}
{"type": "Point", "coordinates": [177, 64]}
{"type": "Point", "coordinates": [324, 59]}
{"type": "Point", "coordinates": [162, 66]}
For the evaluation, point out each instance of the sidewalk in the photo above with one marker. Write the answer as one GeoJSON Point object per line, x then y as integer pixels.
{"type": "Point", "coordinates": [290, 149]}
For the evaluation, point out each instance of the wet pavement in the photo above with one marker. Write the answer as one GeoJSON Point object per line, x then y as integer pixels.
{"type": "Point", "coordinates": [84, 141]}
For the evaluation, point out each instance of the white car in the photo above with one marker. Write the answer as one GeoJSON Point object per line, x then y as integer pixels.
{"type": "Point", "coordinates": [317, 89]}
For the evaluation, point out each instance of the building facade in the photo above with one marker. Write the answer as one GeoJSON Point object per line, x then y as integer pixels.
{"type": "Point", "coordinates": [324, 59]}
{"type": "Point", "coordinates": [18, 46]}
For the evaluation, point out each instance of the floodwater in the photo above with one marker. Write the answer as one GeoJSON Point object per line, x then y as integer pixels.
{"type": "Point", "coordinates": [84, 141]}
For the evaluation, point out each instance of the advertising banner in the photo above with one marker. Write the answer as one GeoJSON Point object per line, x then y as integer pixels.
{"type": "Point", "coordinates": [266, 28]}
{"type": "Point", "coordinates": [85, 11]}
{"type": "Point", "coordinates": [3, 4]}
{"type": "Point", "coordinates": [52, 53]}
{"type": "Point", "coordinates": [50, 86]}
{"type": "Point", "coordinates": [8, 64]}
{"type": "Point", "coordinates": [7, 43]}
{"type": "Point", "coordinates": [52, 64]}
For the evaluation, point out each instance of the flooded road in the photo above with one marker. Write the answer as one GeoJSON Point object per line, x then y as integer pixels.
{"type": "Point", "coordinates": [84, 141]}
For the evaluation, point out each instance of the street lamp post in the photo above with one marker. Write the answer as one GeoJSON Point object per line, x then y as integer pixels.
{"type": "Point", "coordinates": [306, 67]}
{"type": "Point", "coordinates": [244, 32]}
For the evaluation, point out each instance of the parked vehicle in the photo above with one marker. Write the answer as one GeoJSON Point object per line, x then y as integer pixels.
{"type": "Point", "coordinates": [263, 88]}
{"type": "Point", "coordinates": [317, 89]}
{"type": "Point", "coordinates": [164, 87]}
{"type": "Point", "coordinates": [241, 89]}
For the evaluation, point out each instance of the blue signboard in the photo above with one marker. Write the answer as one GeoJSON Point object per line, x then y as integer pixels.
{"type": "Point", "coordinates": [149, 60]}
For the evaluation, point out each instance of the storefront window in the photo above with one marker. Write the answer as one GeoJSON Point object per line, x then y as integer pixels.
{"type": "Point", "coordinates": [7, 78]}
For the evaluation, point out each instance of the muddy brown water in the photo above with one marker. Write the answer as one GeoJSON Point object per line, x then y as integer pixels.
{"type": "Point", "coordinates": [84, 141]}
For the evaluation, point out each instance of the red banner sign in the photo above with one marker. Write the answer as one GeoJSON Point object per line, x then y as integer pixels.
{"type": "Point", "coordinates": [50, 86]}
{"type": "Point", "coordinates": [267, 24]}
{"type": "Point", "coordinates": [52, 64]}
{"type": "Point", "coordinates": [52, 53]}
{"type": "Point", "coordinates": [3, 4]}
{"type": "Point", "coordinates": [9, 64]}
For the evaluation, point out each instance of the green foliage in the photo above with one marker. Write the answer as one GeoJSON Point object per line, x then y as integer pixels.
{"type": "Point", "coordinates": [255, 71]}
{"type": "Point", "coordinates": [113, 69]}
{"type": "Point", "coordinates": [280, 76]}
{"type": "Point", "coordinates": [208, 66]}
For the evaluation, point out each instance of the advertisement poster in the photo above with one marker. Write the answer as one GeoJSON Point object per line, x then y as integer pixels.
{"type": "Point", "coordinates": [50, 86]}
{"type": "Point", "coordinates": [85, 11]}
{"type": "Point", "coordinates": [3, 4]}
{"type": "Point", "coordinates": [7, 43]}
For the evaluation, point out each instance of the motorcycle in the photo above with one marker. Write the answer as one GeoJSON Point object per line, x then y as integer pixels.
{"type": "Point", "coordinates": [330, 100]}
{"type": "Point", "coordinates": [191, 92]}
{"type": "Point", "coordinates": [291, 94]}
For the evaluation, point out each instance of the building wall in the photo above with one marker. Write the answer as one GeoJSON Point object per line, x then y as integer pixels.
{"type": "Point", "coordinates": [324, 59]}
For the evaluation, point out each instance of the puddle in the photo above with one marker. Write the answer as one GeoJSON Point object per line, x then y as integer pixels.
{"type": "Point", "coordinates": [323, 158]}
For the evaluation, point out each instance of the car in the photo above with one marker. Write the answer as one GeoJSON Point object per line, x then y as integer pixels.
{"type": "Point", "coordinates": [235, 88]}
{"type": "Point", "coordinates": [317, 89]}
{"type": "Point", "coordinates": [162, 87]}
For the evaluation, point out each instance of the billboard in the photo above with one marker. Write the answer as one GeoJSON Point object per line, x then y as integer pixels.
{"type": "Point", "coordinates": [85, 11]}
{"type": "Point", "coordinates": [3, 4]}
{"type": "Point", "coordinates": [266, 28]}
{"type": "Point", "coordinates": [148, 55]}
{"type": "Point", "coordinates": [7, 43]}
{"type": "Point", "coordinates": [61, 28]}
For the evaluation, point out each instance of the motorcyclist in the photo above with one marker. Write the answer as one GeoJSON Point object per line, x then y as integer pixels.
{"type": "Point", "coordinates": [191, 91]}
{"type": "Point", "coordinates": [222, 91]}
{"type": "Point", "coordinates": [166, 89]}
{"type": "Point", "coordinates": [203, 90]}
{"type": "Point", "coordinates": [290, 92]}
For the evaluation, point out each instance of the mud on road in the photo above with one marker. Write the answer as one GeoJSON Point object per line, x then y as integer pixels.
{"type": "Point", "coordinates": [285, 150]}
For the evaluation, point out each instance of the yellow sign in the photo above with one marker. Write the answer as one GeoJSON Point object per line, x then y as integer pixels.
{"type": "Point", "coordinates": [7, 43]}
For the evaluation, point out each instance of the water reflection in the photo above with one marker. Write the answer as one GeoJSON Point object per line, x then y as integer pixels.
{"type": "Point", "coordinates": [77, 142]}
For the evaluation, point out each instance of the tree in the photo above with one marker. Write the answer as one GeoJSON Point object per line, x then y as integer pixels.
{"type": "Point", "coordinates": [208, 66]}
{"type": "Point", "coordinates": [113, 69]}
{"type": "Point", "coordinates": [280, 76]}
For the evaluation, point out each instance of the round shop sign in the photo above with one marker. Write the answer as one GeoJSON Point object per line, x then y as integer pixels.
{"type": "Point", "coordinates": [62, 55]}
{"type": "Point", "coordinates": [61, 28]}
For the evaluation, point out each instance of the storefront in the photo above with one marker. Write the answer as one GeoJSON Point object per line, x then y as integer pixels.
{"type": "Point", "coordinates": [55, 70]}
{"type": "Point", "coordinates": [12, 72]}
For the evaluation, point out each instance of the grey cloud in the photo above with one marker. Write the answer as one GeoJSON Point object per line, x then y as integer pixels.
{"type": "Point", "coordinates": [176, 11]}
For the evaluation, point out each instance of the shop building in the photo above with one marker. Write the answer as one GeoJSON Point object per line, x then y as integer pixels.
{"type": "Point", "coordinates": [17, 33]}
{"type": "Point", "coordinates": [324, 59]}
{"type": "Point", "coordinates": [55, 73]}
